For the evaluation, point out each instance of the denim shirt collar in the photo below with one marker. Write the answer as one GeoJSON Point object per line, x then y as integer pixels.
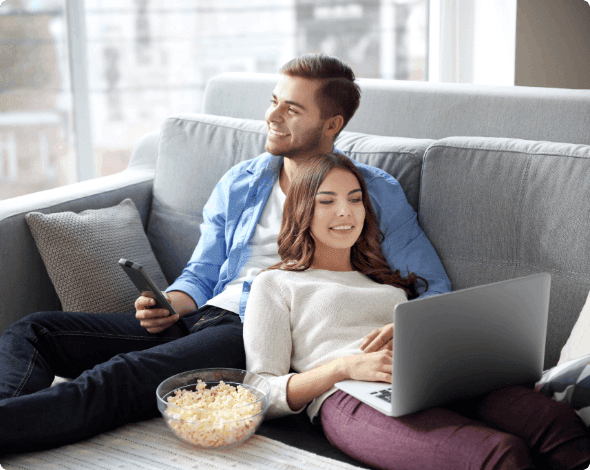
{"type": "Point", "coordinates": [266, 162]}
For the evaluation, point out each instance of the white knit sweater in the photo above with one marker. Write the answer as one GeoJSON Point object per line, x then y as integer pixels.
{"type": "Point", "coordinates": [305, 319]}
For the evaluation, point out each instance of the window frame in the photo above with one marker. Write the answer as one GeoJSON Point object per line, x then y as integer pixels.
{"type": "Point", "coordinates": [77, 47]}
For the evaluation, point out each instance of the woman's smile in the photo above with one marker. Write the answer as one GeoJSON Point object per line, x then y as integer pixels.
{"type": "Point", "coordinates": [343, 229]}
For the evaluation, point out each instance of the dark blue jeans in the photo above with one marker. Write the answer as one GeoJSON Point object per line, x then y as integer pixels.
{"type": "Point", "coordinates": [116, 366]}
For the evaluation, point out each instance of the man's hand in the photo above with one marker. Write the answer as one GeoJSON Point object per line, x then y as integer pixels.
{"type": "Point", "coordinates": [156, 320]}
{"type": "Point", "coordinates": [378, 340]}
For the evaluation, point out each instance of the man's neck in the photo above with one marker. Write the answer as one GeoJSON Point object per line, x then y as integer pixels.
{"type": "Point", "coordinates": [287, 173]}
{"type": "Point", "coordinates": [290, 167]}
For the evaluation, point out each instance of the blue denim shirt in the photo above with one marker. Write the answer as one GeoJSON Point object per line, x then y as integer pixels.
{"type": "Point", "coordinates": [232, 212]}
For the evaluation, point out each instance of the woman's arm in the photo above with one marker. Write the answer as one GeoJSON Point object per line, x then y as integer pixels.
{"type": "Point", "coordinates": [268, 344]}
{"type": "Point", "coordinates": [267, 338]}
{"type": "Point", "coordinates": [306, 386]}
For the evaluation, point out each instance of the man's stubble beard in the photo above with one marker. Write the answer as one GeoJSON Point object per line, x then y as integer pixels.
{"type": "Point", "coordinates": [304, 150]}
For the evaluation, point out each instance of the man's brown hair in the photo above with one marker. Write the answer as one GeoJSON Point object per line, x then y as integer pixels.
{"type": "Point", "coordinates": [339, 94]}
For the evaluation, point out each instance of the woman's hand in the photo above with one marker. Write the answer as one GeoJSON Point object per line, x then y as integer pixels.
{"type": "Point", "coordinates": [305, 386]}
{"type": "Point", "coordinates": [378, 340]}
{"type": "Point", "coordinates": [372, 367]}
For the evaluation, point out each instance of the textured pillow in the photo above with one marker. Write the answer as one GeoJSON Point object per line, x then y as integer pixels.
{"type": "Point", "coordinates": [578, 344]}
{"type": "Point", "coordinates": [569, 383]}
{"type": "Point", "coordinates": [81, 254]}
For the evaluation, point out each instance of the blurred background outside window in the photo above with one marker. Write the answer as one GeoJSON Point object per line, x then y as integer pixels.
{"type": "Point", "coordinates": [149, 59]}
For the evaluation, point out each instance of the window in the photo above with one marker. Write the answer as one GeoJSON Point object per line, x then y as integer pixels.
{"type": "Point", "coordinates": [36, 138]}
{"type": "Point", "coordinates": [149, 59]}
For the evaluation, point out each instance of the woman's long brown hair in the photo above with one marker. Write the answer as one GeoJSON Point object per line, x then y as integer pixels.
{"type": "Point", "coordinates": [297, 246]}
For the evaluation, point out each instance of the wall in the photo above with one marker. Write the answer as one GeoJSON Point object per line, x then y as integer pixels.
{"type": "Point", "coordinates": [553, 43]}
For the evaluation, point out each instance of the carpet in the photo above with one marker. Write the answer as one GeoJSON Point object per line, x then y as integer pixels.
{"type": "Point", "coordinates": [150, 445]}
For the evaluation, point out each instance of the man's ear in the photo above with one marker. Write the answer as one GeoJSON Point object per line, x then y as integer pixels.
{"type": "Point", "coordinates": [334, 125]}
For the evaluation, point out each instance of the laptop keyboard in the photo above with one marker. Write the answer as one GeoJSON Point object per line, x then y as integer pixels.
{"type": "Point", "coordinates": [384, 394]}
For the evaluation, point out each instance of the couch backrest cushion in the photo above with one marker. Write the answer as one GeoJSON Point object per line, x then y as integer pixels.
{"type": "Point", "coordinates": [426, 110]}
{"type": "Point", "coordinates": [196, 150]}
{"type": "Point", "coordinates": [497, 209]}
{"type": "Point", "coordinates": [400, 157]}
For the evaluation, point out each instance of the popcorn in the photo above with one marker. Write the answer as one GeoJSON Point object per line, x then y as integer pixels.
{"type": "Point", "coordinates": [216, 417]}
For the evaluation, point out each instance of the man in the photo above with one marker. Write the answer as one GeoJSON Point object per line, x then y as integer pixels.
{"type": "Point", "coordinates": [117, 362]}
{"type": "Point", "coordinates": [311, 104]}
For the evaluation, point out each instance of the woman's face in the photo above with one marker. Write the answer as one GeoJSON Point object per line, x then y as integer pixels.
{"type": "Point", "coordinates": [339, 212]}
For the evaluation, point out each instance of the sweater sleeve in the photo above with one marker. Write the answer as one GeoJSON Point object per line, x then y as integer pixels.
{"type": "Point", "coordinates": [267, 339]}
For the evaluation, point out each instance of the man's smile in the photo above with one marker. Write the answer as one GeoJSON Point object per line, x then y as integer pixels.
{"type": "Point", "coordinates": [276, 133]}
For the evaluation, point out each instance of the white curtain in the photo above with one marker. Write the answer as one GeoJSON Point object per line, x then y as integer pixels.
{"type": "Point", "coordinates": [472, 41]}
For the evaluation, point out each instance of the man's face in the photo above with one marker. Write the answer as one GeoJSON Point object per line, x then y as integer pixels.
{"type": "Point", "coordinates": [295, 128]}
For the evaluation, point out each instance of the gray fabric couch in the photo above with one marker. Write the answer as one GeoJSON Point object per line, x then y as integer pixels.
{"type": "Point", "coordinates": [499, 178]}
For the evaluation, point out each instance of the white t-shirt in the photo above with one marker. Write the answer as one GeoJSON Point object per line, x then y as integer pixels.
{"type": "Point", "coordinates": [264, 250]}
{"type": "Point", "coordinates": [304, 319]}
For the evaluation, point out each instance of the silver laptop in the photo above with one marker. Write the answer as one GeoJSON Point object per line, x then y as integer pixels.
{"type": "Point", "coordinates": [461, 344]}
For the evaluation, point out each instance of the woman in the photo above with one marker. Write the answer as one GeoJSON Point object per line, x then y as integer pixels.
{"type": "Point", "coordinates": [325, 312]}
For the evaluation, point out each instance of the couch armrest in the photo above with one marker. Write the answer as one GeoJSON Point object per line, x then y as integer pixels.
{"type": "Point", "coordinates": [25, 286]}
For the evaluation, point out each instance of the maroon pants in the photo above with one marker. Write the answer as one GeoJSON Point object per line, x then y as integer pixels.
{"type": "Point", "coordinates": [512, 428]}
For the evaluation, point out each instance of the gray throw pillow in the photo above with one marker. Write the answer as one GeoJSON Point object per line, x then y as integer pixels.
{"type": "Point", "coordinates": [569, 382]}
{"type": "Point", "coordinates": [81, 253]}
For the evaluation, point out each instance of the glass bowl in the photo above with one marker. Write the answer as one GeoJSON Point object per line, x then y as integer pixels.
{"type": "Point", "coordinates": [208, 424]}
